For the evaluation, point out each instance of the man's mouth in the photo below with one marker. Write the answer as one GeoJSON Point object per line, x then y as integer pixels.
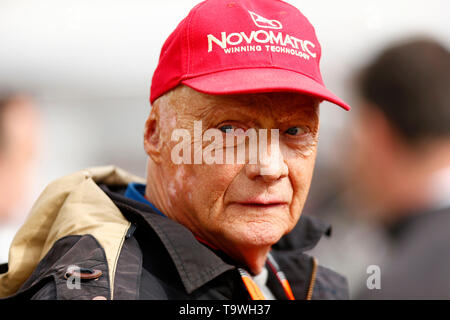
{"type": "Point", "coordinates": [260, 202]}
{"type": "Point", "coordinates": [262, 205]}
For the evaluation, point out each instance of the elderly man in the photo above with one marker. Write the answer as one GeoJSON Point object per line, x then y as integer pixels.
{"type": "Point", "coordinates": [213, 221]}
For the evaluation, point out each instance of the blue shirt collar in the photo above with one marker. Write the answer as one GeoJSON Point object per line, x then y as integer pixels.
{"type": "Point", "coordinates": [136, 191]}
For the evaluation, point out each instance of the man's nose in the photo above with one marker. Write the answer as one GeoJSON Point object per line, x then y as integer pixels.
{"type": "Point", "coordinates": [269, 167]}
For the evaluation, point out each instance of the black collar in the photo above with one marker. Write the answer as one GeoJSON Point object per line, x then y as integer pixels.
{"type": "Point", "coordinates": [196, 264]}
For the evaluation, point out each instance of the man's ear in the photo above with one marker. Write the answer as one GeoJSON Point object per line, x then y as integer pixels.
{"type": "Point", "coordinates": [152, 136]}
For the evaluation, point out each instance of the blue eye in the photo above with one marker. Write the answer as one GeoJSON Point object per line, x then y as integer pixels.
{"type": "Point", "coordinates": [226, 128]}
{"type": "Point", "coordinates": [294, 131]}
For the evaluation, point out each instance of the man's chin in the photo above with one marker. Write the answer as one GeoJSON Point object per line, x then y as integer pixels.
{"type": "Point", "coordinates": [256, 234]}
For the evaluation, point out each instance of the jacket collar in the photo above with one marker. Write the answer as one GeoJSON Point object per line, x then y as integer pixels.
{"type": "Point", "coordinates": [196, 263]}
{"type": "Point", "coordinates": [304, 236]}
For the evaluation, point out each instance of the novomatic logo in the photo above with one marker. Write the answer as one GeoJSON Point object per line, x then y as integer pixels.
{"type": "Point", "coordinates": [260, 40]}
{"type": "Point", "coordinates": [262, 22]}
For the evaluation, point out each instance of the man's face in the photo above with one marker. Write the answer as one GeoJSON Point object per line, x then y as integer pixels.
{"type": "Point", "coordinates": [240, 204]}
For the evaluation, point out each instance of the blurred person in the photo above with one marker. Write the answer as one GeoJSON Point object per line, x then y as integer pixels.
{"type": "Point", "coordinates": [400, 165]}
{"type": "Point", "coordinates": [18, 139]}
{"type": "Point", "coordinates": [198, 229]}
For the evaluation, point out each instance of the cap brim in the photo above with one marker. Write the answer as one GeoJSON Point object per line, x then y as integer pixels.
{"type": "Point", "coordinates": [254, 80]}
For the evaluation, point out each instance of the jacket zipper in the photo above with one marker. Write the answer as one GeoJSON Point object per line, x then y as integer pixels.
{"type": "Point", "coordinates": [130, 231]}
{"type": "Point", "coordinates": [313, 279]}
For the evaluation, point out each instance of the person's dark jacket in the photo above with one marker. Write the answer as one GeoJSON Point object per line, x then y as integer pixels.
{"type": "Point", "coordinates": [418, 264]}
{"type": "Point", "coordinates": [152, 258]}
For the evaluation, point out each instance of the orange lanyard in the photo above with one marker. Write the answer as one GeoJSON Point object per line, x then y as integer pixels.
{"type": "Point", "coordinates": [253, 289]}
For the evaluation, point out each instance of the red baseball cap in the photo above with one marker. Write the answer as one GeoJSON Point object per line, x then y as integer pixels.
{"type": "Point", "coordinates": [242, 46]}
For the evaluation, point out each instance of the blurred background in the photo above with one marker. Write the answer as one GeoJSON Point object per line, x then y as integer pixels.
{"type": "Point", "coordinates": [80, 72]}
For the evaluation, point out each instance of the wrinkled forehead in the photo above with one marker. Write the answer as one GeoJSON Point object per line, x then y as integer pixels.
{"type": "Point", "coordinates": [189, 102]}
